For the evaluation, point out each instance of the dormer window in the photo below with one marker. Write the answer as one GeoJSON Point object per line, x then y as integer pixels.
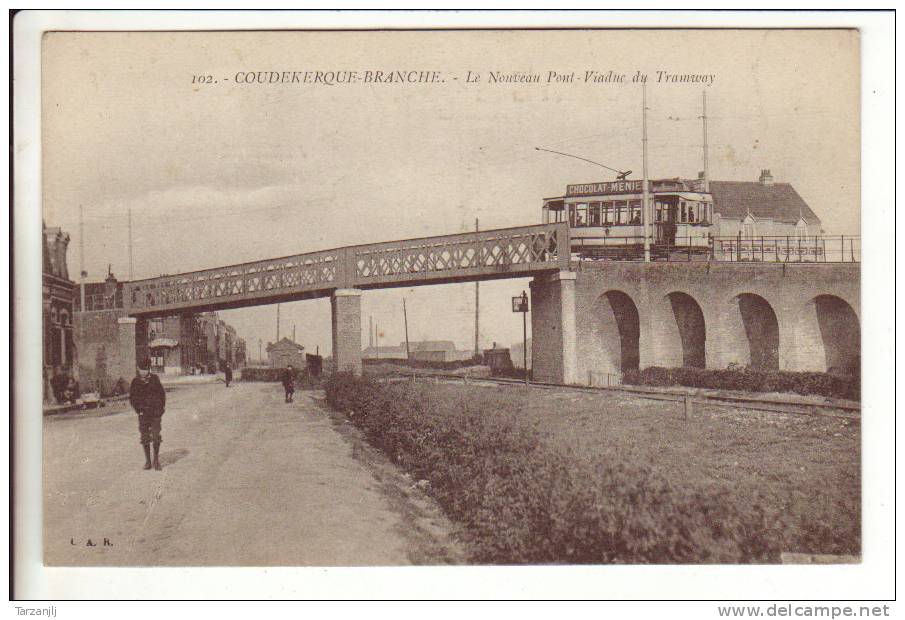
{"type": "Point", "coordinates": [801, 228]}
{"type": "Point", "coordinates": [749, 227]}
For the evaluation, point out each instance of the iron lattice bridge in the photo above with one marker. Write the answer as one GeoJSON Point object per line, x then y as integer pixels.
{"type": "Point", "coordinates": [485, 255]}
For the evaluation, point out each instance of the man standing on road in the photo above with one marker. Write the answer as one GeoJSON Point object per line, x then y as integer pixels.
{"type": "Point", "coordinates": [289, 382]}
{"type": "Point", "coordinates": [147, 397]}
{"type": "Point", "coordinates": [228, 374]}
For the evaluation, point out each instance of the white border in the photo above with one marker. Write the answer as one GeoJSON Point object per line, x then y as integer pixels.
{"type": "Point", "coordinates": [872, 580]}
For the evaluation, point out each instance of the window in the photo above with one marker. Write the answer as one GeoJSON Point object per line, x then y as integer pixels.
{"type": "Point", "coordinates": [64, 316]}
{"type": "Point", "coordinates": [691, 213]}
{"type": "Point", "coordinates": [622, 214]}
{"type": "Point", "coordinates": [155, 328]}
{"type": "Point", "coordinates": [608, 213]}
{"type": "Point", "coordinates": [581, 214]}
{"type": "Point", "coordinates": [683, 214]}
{"type": "Point", "coordinates": [749, 227]}
{"type": "Point", "coordinates": [636, 212]}
{"type": "Point", "coordinates": [594, 214]}
{"type": "Point", "coordinates": [658, 208]}
{"type": "Point", "coordinates": [53, 316]}
{"type": "Point", "coordinates": [571, 216]}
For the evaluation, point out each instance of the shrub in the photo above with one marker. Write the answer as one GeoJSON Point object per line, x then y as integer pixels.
{"type": "Point", "coordinates": [302, 379]}
{"type": "Point", "coordinates": [523, 501]}
{"type": "Point", "coordinates": [413, 363]}
{"type": "Point", "coordinates": [807, 383]}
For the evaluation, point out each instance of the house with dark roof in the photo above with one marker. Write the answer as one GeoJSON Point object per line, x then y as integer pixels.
{"type": "Point", "coordinates": [761, 208]}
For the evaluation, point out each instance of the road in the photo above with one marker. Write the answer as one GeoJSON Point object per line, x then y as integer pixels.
{"type": "Point", "coordinates": [247, 480]}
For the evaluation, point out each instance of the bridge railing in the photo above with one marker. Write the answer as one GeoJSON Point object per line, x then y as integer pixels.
{"type": "Point", "coordinates": [311, 271]}
{"type": "Point", "coordinates": [813, 249]}
{"type": "Point", "coordinates": [775, 249]}
{"type": "Point", "coordinates": [467, 255]}
{"type": "Point", "coordinates": [506, 250]}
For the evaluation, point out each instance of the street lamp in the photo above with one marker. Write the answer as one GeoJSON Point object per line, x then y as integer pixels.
{"type": "Point", "coordinates": [520, 304]}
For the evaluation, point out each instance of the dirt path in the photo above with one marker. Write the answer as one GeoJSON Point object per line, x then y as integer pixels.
{"type": "Point", "coordinates": [247, 480]}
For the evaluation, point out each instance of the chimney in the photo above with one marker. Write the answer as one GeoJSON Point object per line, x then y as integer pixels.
{"type": "Point", "coordinates": [765, 177]}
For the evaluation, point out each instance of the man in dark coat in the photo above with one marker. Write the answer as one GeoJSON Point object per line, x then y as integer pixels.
{"type": "Point", "coordinates": [147, 397]}
{"type": "Point", "coordinates": [58, 384]}
{"type": "Point", "coordinates": [228, 374]}
{"type": "Point", "coordinates": [288, 380]}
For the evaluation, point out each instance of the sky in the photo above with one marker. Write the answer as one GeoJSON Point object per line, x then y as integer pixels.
{"type": "Point", "coordinates": [221, 173]}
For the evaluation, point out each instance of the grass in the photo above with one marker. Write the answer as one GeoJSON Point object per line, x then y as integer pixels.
{"type": "Point", "coordinates": [540, 476]}
{"type": "Point", "coordinates": [803, 470]}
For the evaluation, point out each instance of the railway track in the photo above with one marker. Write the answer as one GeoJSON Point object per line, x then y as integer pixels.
{"type": "Point", "coordinates": [683, 397]}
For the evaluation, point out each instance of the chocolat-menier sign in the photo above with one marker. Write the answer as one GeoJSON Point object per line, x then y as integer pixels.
{"type": "Point", "coordinates": [605, 187]}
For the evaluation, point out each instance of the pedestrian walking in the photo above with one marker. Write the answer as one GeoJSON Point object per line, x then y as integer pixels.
{"type": "Point", "coordinates": [289, 382]}
{"type": "Point", "coordinates": [228, 374]}
{"type": "Point", "coordinates": [147, 397]}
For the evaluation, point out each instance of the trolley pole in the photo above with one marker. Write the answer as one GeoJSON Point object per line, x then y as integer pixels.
{"type": "Point", "coordinates": [645, 198]}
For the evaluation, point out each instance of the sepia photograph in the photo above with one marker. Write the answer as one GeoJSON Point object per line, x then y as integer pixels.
{"type": "Point", "coordinates": [464, 297]}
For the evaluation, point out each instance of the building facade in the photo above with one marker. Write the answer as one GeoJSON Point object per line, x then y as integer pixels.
{"type": "Point", "coordinates": [57, 292]}
{"type": "Point", "coordinates": [285, 352]}
{"type": "Point", "coordinates": [193, 344]}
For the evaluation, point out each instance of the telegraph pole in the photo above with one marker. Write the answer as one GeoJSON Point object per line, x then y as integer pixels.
{"type": "Point", "coordinates": [82, 257]}
{"type": "Point", "coordinates": [131, 275]}
{"type": "Point", "coordinates": [477, 305]}
{"type": "Point", "coordinates": [645, 198]}
{"type": "Point", "coordinates": [405, 318]}
{"type": "Point", "coordinates": [706, 171]}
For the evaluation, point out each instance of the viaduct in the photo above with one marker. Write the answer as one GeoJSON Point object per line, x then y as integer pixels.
{"type": "Point", "coordinates": [588, 319]}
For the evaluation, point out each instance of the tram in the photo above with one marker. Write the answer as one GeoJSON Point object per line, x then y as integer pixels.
{"type": "Point", "coordinates": [605, 218]}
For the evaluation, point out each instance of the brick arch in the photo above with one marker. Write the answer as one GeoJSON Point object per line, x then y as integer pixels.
{"type": "Point", "coordinates": [683, 331]}
{"type": "Point", "coordinates": [750, 332]}
{"type": "Point", "coordinates": [618, 329]}
{"type": "Point", "coordinates": [828, 335]}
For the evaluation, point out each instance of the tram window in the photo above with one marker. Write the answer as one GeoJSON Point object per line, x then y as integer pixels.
{"type": "Point", "coordinates": [581, 214]}
{"type": "Point", "coordinates": [594, 214]}
{"type": "Point", "coordinates": [571, 215]}
{"type": "Point", "coordinates": [683, 214]}
{"type": "Point", "coordinates": [636, 211]}
{"type": "Point", "coordinates": [622, 213]}
{"type": "Point", "coordinates": [691, 213]}
{"type": "Point", "coordinates": [608, 213]}
{"type": "Point", "coordinates": [658, 209]}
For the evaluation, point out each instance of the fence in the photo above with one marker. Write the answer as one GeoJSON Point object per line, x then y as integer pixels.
{"type": "Point", "coordinates": [604, 379]}
{"type": "Point", "coordinates": [738, 249]}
